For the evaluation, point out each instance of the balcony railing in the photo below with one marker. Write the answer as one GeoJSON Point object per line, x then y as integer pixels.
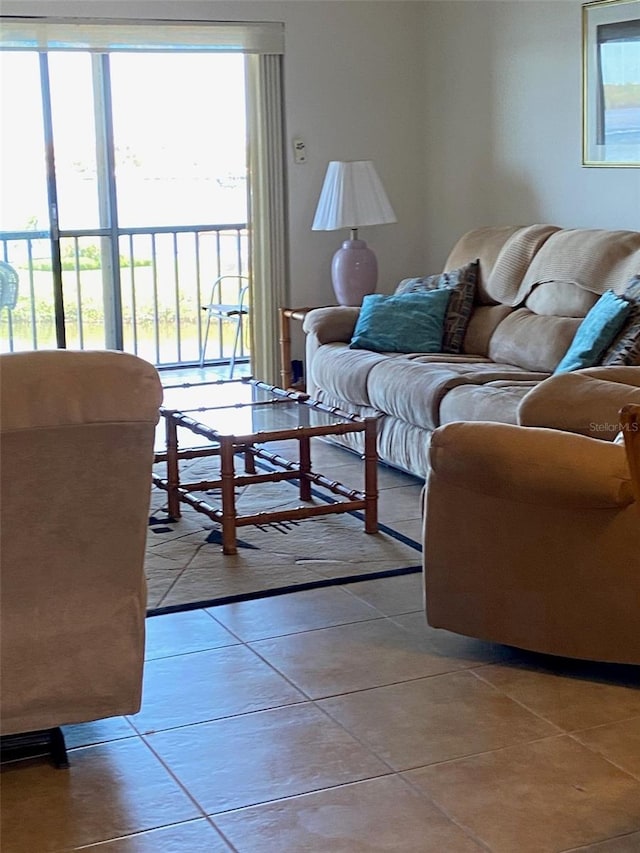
{"type": "Point", "coordinates": [150, 306]}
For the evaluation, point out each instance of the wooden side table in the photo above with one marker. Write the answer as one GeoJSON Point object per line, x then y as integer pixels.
{"type": "Point", "coordinates": [286, 315]}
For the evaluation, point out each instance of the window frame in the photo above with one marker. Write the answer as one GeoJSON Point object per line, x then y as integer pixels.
{"type": "Point", "coordinates": [605, 22]}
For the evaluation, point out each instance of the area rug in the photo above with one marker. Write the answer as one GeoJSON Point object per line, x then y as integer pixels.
{"type": "Point", "coordinates": [186, 569]}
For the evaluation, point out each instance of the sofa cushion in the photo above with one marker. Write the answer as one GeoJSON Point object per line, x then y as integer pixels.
{"type": "Point", "coordinates": [447, 358]}
{"type": "Point", "coordinates": [596, 332]}
{"type": "Point", "coordinates": [409, 322]}
{"type": "Point", "coordinates": [504, 253]}
{"type": "Point", "coordinates": [585, 401]}
{"type": "Point", "coordinates": [406, 444]}
{"type": "Point", "coordinates": [532, 341]}
{"type": "Point", "coordinates": [595, 260]}
{"type": "Point", "coordinates": [484, 244]}
{"type": "Point", "coordinates": [331, 324]}
{"type": "Point", "coordinates": [496, 401]}
{"type": "Point", "coordinates": [484, 320]}
{"type": "Point", "coordinates": [626, 347]}
{"type": "Point", "coordinates": [560, 299]}
{"type": "Point", "coordinates": [505, 283]}
{"type": "Point", "coordinates": [410, 391]}
{"type": "Point", "coordinates": [413, 392]}
{"type": "Point", "coordinates": [343, 372]}
{"type": "Point", "coordinates": [461, 283]}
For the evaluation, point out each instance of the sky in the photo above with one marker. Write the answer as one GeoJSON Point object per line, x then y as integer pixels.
{"type": "Point", "coordinates": [179, 131]}
{"type": "Point", "coordinates": [621, 62]}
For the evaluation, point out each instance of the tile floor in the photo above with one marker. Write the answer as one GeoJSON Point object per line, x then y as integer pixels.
{"type": "Point", "coordinates": [337, 720]}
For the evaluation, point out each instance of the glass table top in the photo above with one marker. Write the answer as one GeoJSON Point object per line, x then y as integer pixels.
{"type": "Point", "coordinates": [244, 408]}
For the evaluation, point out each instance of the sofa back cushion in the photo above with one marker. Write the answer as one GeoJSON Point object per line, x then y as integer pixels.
{"type": "Point", "coordinates": [515, 259]}
{"type": "Point", "coordinates": [535, 285]}
{"type": "Point", "coordinates": [533, 341]}
{"type": "Point", "coordinates": [594, 260]}
{"type": "Point", "coordinates": [482, 324]}
{"type": "Point", "coordinates": [506, 284]}
{"type": "Point", "coordinates": [504, 255]}
{"type": "Point", "coordinates": [483, 244]}
{"type": "Point", "coordinates": [560, 299]}
{"type": "Point", "coordinates": [538, 335]}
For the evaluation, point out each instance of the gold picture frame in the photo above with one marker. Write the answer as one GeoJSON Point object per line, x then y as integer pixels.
{"type": "Point", "coordinates": [611, 83]}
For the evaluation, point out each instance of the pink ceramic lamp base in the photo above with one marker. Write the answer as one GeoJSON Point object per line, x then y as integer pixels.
{"type": "Point", "coordinates": [354, 272]}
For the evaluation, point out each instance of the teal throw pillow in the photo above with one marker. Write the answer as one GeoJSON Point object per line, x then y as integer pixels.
{"type": "Point", "coordinates": [596, 333]}
{"type": "Point", "coordinates": [410, 322]}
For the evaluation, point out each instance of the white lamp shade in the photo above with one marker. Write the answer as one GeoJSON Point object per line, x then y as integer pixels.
{"type": "Point", "coordinates": [352, 196]}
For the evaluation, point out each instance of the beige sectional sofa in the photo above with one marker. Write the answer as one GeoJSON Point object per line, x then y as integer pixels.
{"type": "Point", "coordinates": [535, 285]}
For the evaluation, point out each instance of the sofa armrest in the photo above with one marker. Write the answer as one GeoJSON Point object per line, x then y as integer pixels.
{"type": "Point", "coordinates": [331, 325]}
{"type": "Point", "coordinates": [584, 401]}
{"type": "Point", "coordinates": [531, 465]}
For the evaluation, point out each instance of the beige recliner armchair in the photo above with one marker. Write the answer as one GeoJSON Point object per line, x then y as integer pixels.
{"type": "Point", "coordinates": [76, 444]}
{"type": "Point", "coordinates": [532, 535]}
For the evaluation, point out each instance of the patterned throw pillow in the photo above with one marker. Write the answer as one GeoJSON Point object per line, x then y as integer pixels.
{"type": "Point", "coordinates": [462, 284]}
{"type": "Point", "coordinates": [626, 347]}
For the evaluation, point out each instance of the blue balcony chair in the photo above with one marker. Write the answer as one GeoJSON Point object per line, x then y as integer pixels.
{"type": "Point", "coordinates": [234, 309]}
{"type": "Point", "coordinates": [9, 280]}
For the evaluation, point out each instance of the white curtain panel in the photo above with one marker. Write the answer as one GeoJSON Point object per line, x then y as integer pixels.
{"type": "Point", "coordinates": [267, 211]}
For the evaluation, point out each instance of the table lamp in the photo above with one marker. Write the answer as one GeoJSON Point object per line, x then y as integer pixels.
{"type": "Point", "coordinates": [352, 196]}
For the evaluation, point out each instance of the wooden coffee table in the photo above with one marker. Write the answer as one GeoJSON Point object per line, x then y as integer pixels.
{"type": "Point", "coordinates": [260, 414]}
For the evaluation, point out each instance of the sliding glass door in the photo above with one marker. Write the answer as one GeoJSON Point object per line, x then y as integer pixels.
{"type": "Point", "coordinates": [126, 189]}
{"type": "Point", "coordinates": [131, 195]}
{"type": "Point", "coordinates": [180, 150]}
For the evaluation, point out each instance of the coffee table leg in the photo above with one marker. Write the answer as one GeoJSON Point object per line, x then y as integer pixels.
{"type": "Point", "coordinates": [370, 476]}
{"type": "Point", "coordinates": [305, 468]}
{"type": "Point", "coordinates": [249, 460]}
{"type": "Point", "coordinates": [227, 475]}
{"type": "Point", "coordinates": [173, 473]}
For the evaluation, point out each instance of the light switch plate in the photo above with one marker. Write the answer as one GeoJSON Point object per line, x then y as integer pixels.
{"type": "Point", "coordinates": [299, 151]}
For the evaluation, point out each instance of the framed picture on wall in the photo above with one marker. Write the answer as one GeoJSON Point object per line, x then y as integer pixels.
{"type": "Point", "coordinates": [611, 83]}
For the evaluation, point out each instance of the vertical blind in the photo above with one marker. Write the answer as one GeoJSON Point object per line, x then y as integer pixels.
{"type": "Point", "coordinates": [267, 206]}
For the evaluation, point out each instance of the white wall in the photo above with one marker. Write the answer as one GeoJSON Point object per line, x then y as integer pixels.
{"type": "Point", "coordinates": [504, 124]}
